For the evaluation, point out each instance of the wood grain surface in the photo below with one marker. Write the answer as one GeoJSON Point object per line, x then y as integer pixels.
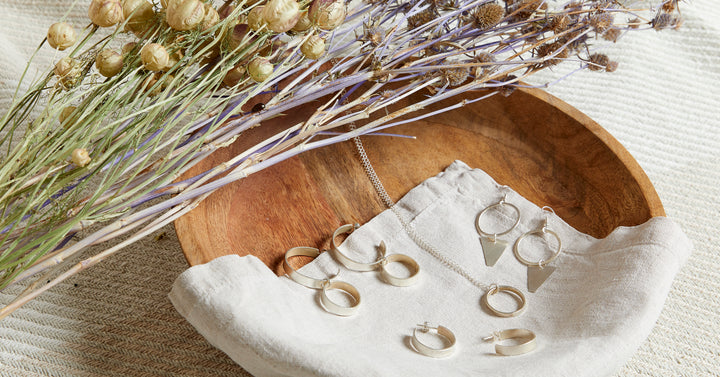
{"type": "Point", "coordinates": [538, 145]}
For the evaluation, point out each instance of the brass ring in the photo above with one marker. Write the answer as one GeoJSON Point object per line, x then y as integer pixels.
{"type": "Point", "coordinates": [513, 291]}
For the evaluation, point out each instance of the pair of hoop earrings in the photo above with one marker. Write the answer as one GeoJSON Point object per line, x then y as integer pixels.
{"type": "Point", "coordinates": [537, 272]}
{"type": "Point", "coordinates": [381, 263]}
{"type": "Point", "coordinates": [324, 285]}
{"type": "Point", "coordinates": [525, 341]}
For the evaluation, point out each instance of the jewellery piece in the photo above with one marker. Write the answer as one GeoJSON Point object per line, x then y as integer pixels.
{"type": "Point", "coordinates": [430, 351]}
{"type": "Point", "coordinates": [495, 289]}
{"type": "Point", "coordinates": [381, 262]}
{"type": "Point", "coordinates": [538, 272]}
{"type": "Point", "coordinates": [491, 246]}
{"type": "Point", "coordinates": [324, 285]}
{"type": "Point", "coordinates": [517, 349]}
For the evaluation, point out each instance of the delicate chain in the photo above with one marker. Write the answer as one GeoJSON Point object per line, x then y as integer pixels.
{"type": "Point", "coordinates": [410, 229]}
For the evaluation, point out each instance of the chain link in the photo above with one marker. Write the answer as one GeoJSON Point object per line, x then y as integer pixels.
{"type": "Point", "coordinates": [410, 229]}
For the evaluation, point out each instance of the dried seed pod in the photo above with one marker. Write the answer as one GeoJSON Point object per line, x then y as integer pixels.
{"type": "Point", "coordinates": [260, 69]}
{"type": "Point", "coordinates": [484, 58]}
{"type": "Point", "coordinates": [281, 15]}
{"type": "Point", "coordinates": [313, 48]}
{"type": "Point", "coordinates": [154, 57]}
{"type": "Point", "coordinates": [612, 34]}
{"type": "Point", "coordinates": [150, 86]}
{"type": "Point", "coordinates": [105, 13]}
{"type": "Point", "coordinates": [67, 67]}
{"type": "Point", "coordinates": [303, 22]}
{"type": "Point", "coordinates": [108, 62]}
{"type": "Point", "coordinates": [138, 13]}
{"type": "Point", "coordinates": [185, 14]}
{"type": "Point", "coordinates": [559, 23]}
{"type": "Point", "coordinates": [80, 157]}
{"type": "Point", "coordinates": [488, 15]}
{"type": "Point", "coordinates": [61, 35]}
{"type": "Point", "coordinates": [66, 114]}
{"type": "Point", "coordinates": [327, 14]}
{"type": "Point", "coordinates": [234, 75]}
{"type": "Point", "coordinates": [453, 76]}
{"type": "Point", "coordinates": [665, 21]}
{"type": "Point", "coordinates": [255, 19]}
{"type": "Point", "coordinates": [611, 66]}
{"type": "Point", "coordinates": [211, 17]}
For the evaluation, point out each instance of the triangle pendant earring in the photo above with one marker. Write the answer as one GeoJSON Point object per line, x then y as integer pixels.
{"type": "Point", "coordinates": [492, 247]}
{"type": "Point", "coordinates": [538, 272]}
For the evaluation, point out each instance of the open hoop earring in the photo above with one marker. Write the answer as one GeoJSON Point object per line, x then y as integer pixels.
{"type": "Point", "coordinates": [430, 351]}
{"type": "Point", "coordinates": [492, 247]}
{"type": "Point", "coordinates": [380, 263]}
{"type": "Point", "coordinates": [324, 285]}
{"type": "Point", "coordinates": [528, 345]}
{"type": "Point", "coordinates": [538, 272]}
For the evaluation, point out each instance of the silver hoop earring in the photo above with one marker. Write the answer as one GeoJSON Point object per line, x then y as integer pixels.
{"type": "Point", "coordinates": [324, 285]}
{"type": "Point", "coordinates": [442, 331]}
{"type": "Point", "coordinates": [528, 344]}
{"type": "Point", "coordinates": [380, 263]}
{"type": "Point", "coordinates": [519, 296]}
{"type": "Point", "coordinates": [492, 247]}
{"type": "Point", "coordinates": [538, 272]}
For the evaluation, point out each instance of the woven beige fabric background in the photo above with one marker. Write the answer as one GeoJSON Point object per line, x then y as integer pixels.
{"type": "Point", "coordinates": [116, 320]}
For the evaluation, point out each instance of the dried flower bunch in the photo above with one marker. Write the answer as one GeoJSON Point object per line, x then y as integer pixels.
{"type": "Point", "coordinates": [148, 89]}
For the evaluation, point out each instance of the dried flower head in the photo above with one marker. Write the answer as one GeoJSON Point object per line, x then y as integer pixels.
{"type": "Point", "coordinates": [185, 14]}
{"type": "Point", "coordinates": [156, 83]}
{"type": "Point", "coordinates": [327, 14]}
{"type": "Point", "coordinates": [61, 35]}
{"type": "Point", "coordinates": [139, 14]}
{"type": "Point", "coordinates": [281, 15]}
{"type": "Point", "coordinates": [669, 6]}
{"type": "Point", "coordinates": [105, 13]}
{"type": "Point", "coordinates": [422, 18]}
{"type": "Point", "coordinates": [313, 48]}
{"type": "Point", "coordinates": [80, 157]}
{"type": "Point", "coordinates": [303, 22]}
{"type": "Point", "coordinates": [238, 36]}
{"type": "Point", "coordinates": [602, 21]}
{"type": "Point", "coordinates": [485, 58]}
{"type": "Point", "coordinates": [555, 50]}
{"type": "Point", "coordinates": [559, 23]}
{"type": "Point", "coordinates": [666, 21]}
{"type": "Point", "coordinates": [255, 19]}
{"type": "Point", "coordinates": [598, 62]}
{"type": "Point", "coordinates": [154, 57]}
{"type": "Point", "coordinates": [612, 34]}
{"type": "Point", "coordinates": [108, 62]}
{"type": "Point", "coordinates": [452, 77]}
{"type": "Point", "coordinates": [509, 87]}
{"type": "Point", "coordinates": [523, 9]}
{"type": "Point", "coordinates": [488, 15]}
{"type": "Point", "coordinates": [260, 69]}
{"type": "Point", "coordinates": [375, 35]}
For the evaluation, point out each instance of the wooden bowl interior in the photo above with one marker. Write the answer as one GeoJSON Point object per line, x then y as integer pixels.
{"type": "Point", "coordinates": [538, 145]}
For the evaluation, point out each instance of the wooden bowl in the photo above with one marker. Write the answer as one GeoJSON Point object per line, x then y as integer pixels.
{"type": "Point", "coordinates": [538, 145]}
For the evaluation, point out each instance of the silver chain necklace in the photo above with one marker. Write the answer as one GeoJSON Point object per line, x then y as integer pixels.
{"type": "Point", "coordinates": [410, 229]}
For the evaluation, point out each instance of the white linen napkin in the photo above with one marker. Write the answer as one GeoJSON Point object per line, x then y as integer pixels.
{"type": "Point", "coordinates": [589, 317]}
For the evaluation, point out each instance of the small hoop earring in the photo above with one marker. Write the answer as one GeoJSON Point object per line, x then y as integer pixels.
{"type": "Point", "coordinates": [492, 247]}
{"type": "Point", "coordinates": [381, 262]}
{"type": "Point", "coordinates": [495, 289]}
{"type": "Point", "coordinates": [512, 350]}
{"type": "Point", "coordinates": [324, 285]}
{"type": "Point", "coordinates": [430, 351]}
{"type": "Point", "coordinates": [538, 272]}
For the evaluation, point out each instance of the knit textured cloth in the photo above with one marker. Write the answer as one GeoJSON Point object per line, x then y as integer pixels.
{"type": "Point", "coordinates": [661, 104]}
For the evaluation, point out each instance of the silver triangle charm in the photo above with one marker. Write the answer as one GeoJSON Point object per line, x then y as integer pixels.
{"type": "Point", "coordinates": [492, 249]}
{"type": "Point", "coordinates": [536, 276]}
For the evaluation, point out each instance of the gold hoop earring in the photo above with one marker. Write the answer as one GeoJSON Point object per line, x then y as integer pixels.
{"type": "Point", "coordinates": [492, 247]}
{"type": "Point", "coordinates": [538, 272]}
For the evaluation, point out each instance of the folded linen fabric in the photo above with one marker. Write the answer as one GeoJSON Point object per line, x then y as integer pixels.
{"type": "Point", "coordinates": [589, 316]}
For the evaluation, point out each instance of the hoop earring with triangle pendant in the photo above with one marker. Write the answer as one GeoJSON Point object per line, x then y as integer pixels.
{"type": "Point", "coordinates": [538, 272]}
{"type": "Point", "coordinates": [493, 247]}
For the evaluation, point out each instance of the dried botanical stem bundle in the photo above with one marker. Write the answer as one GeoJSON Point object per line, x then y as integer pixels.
{"type": "Point", "coordinates": [116, 130]}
